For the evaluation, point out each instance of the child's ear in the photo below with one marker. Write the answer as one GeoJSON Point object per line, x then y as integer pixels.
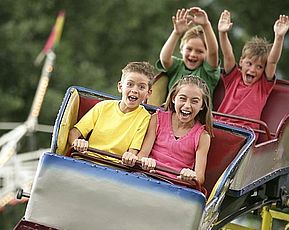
{"type": "Point", "coordinates": [149, 92]}
{"type": "Point", "coordinates": [119, 87]}
{"type": "Point", "coordinates": [241, 61]}
{"type": "Point", "coordinates": [173, 99]}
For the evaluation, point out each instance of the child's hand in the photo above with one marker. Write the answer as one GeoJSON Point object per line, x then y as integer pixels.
{"type": "Point", "coordinates": [187, 174]}
{"type": "Point", "coordinates": [281, 25]}
{"type": "Point", "coordinates": [180, 22]}
{"type": "Point", "coordinates": [80, 145]}
{"type": "Point", "coordinates": [129, 159]}
{"type": "Point", "coordinates": [225, 23]}
{"type": "Point", "coordinates": [148, 163]}
{"type": "Point", "coordinates": [198, 16]}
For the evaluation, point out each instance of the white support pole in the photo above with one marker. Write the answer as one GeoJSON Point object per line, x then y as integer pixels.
{"type": "Point", "coordinates": [41, 90]}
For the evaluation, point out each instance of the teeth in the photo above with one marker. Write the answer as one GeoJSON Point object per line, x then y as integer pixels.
{"type": "Point", "coordinates": [132, 97]}
{"type": "Point", "coordinates": [186, 112]}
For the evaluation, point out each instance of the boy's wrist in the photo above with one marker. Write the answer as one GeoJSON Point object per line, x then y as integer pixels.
{"type": "Point", "coordinates": [279, 36]}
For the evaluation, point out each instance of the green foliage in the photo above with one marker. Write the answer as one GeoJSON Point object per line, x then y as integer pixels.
{"type": "Point", "coordinates": [99, 39]}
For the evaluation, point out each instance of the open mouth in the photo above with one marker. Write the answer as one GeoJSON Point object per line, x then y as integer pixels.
{"type": "Point", "coordinates": [192, 62]}
{"type": "Point", "coordinates": [132, 98]}
{"type": "Point", "coordinates": [249, 78]}
{"type": "Point", "coordinates": [185, 113]}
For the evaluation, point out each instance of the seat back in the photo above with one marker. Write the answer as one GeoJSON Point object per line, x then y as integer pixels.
{"type": "Point", "coordinates": [225, 146]}
{"type": "Point", "coordinates": [159, 90]}
{"type": "Point", "coordinates": [77, 101]}
{"type": "Point", "coordinates": [275, 110]}
{"type": "Point", "coordinates": [218, 95]}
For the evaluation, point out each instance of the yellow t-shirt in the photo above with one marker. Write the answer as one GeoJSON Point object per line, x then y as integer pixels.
{"type": "Point", "coordinates": [113, 130]}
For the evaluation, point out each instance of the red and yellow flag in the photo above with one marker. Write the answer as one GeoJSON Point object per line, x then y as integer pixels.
{"type": "Point", "coordinates": [53, 38]}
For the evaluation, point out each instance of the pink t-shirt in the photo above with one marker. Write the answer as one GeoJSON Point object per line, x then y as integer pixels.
{"type": "Point", "coordinates": [170, 151]}
{"type": "Point", "coordinates": [243, 100]}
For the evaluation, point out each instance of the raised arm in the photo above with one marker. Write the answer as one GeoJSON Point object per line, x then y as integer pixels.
{"type": "Point", "coordinates": [280, 29]}
{"type": "Point", "coordinates": [181, 25]}
{"type": "Point", "coordinates": [224, 26]}
{"type": "Point", "coordinates": [199, 17]}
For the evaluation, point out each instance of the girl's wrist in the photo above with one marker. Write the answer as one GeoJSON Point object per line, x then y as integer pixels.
{"type": "Point", "coordinates": [206, 25]}
{"type": "Point", "coordinates": [177, 34]}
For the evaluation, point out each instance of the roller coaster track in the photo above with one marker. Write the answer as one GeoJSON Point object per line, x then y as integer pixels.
{"type": "Point", "coordinates": [17, 169]}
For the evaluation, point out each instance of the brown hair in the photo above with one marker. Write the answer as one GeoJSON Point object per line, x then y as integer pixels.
{"type": "Point", "coordinates": [144, 68]}
{"type": "Point", "coordinates": [256, 47]}
{"type": "Point", "coordinates": [205, 115]}
{"type": "Point", "coordinates": [194, 32]}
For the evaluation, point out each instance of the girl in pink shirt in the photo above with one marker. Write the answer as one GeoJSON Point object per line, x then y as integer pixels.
{"type": "Point", "coordinates": [179, 137]}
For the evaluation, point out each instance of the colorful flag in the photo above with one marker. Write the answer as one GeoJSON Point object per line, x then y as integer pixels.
{"type": "Point", "coordinates": [53, 38]}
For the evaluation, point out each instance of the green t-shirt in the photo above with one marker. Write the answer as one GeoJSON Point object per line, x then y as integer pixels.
{"type": "Point", "coordinates": [210, 75]}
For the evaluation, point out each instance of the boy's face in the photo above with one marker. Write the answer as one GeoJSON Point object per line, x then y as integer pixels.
{"type": "Point", "coordinates": [193, 53]}
{"type": "Point", "coordinates": [134, 89]}
{"type": "Point", "coordinates": [252, 69]}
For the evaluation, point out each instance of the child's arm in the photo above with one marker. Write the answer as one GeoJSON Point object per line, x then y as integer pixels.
{"type": "Point", "coordinates": [280, 28]}
{"type": "Point", "coordinates": [149, 139]}
{"type": "Point", "coordinates": [79, 145]}
{"type": "Point", "coordinates": [200, 18]}
{"type": "Point", "coordinates": [201, 161]}
{"type": "Point", "coordinates": [224, 26]}
{"type": "Point", "coordinates": [129, 158]}
{"type": "Point", "coordinates": [201, 156]}
{"type": "Point", "coordinates": [187, 174]}
{"type": "Point", "coordinates": [181, 25]}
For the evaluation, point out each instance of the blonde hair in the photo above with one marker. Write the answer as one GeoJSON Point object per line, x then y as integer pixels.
{"type": "Point", "coordinates": [257, 48]}
{"type": "Point", "coordinates": [194, 32]}
{"type": "Point", "coordinates": [144, 68]}
{"type": "Point", "coordinates": [205, 115]}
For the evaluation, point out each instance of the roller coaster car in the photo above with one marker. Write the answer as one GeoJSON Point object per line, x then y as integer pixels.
{"type": "Point", "coordinates": [262, 178]}
{"type": "Point", "coordinates": [73, 193]}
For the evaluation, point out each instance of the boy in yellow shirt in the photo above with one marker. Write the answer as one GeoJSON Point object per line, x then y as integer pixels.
{"type": "Point", "coordinates": [118, 126]}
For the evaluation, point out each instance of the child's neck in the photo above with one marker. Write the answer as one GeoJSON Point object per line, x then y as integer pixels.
{"type": "Point", "coordinates": [181, 128]}
{"type": "Point", "coordinates": [125, 109]}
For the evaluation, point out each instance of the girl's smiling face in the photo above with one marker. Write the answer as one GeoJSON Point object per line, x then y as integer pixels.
{"type": "Point", "coordinates": [188, 102]}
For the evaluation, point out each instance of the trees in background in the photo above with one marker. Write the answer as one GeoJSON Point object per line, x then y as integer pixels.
{"type": "Point", "coordinates": [99, 38]}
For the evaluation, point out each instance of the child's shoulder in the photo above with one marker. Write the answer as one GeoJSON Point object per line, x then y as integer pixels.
{"type": "Point", "coordinates": [107, 102]}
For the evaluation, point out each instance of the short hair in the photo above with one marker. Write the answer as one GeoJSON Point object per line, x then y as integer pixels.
{"type": "Point", "coordinates": [194, 32]}
{"type": "Point", "coordinates": [205, 115]}
{"type": "Point", "coordinates": [256, 47]}
{"type": "Point", "coordinates": [144, 68]}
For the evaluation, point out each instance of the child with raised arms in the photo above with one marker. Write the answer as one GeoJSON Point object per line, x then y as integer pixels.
{"type": "Point", "coordinates": [249, 84]}
{"type": "Point", "coordinates": [198, 47]}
